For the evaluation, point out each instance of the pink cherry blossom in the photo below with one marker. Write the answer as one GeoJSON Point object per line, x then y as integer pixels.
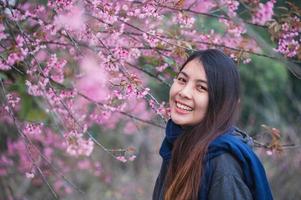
{"type": "Point", "coordinates": [4, 66]}
{"type": "Point", "coordinates": [231, 5]}
{"type": "Point", "coordinates": [3, 35]}
{"type": "Point", "coordinates": [289, 41]}
{"type": "Point", "coordinates": [76, 13]}
{"type": "Point", "coordinates": [77, 145]}
{"type": "Point", "coordinates": [32, 128]}
{"type": "Point", "coordinates": [13, 100]}
{"type": "Point", "coordinates": [200, 5]}
{"type": "Point", "coordinates": [29, 175]}
{"type": "Point", "coordinates": [92, 83]}
{"type": "Point", "coordinates": [132, 158]}
{"type": "Point", "coordinates": [121, 158]}
{"type": "Point", "coordinates": [264, 13]}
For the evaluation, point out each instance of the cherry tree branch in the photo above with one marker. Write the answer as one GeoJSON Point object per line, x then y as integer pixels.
{"type": "Point", "coordinates": [26, 141]}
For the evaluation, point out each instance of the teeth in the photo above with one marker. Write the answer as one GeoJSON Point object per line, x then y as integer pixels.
{"type": "Point", "coordinates": [183, 107]}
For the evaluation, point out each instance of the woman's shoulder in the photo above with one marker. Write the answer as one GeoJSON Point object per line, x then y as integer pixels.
{"type": "Point", "coordinates": [226, 164]}
{"type": "Point", "coordinates": [234, 142]}
{"type": "Point", "coordinates": [227, 181]}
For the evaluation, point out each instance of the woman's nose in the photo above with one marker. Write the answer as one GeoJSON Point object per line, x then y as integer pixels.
{"type": "Point", "coordinates": [186, 92]}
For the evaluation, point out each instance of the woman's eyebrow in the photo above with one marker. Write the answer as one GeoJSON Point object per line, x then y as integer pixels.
{"type": "Point", "coordinates": [181, 72]}
{"type": "Point", "coordinates": [198, 81]}
{"type": "Point", "coordinates": [201, 81]}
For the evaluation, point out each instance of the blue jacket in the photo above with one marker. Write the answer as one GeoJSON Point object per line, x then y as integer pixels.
{"type": "Point", "coordinates": [232, 170]}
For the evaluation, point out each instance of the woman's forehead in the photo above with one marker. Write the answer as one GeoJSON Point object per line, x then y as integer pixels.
{"type": "Point", "coordinates": [194, 70]}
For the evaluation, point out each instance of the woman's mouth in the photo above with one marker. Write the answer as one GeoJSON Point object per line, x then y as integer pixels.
{"type": "Point", "coordinates": [183, 107]}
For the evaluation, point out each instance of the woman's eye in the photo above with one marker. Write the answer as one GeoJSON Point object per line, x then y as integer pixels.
{"type": "Point", "coordinates": [201, 88]}
{"type": "Point", "coordinates": [181, 80]}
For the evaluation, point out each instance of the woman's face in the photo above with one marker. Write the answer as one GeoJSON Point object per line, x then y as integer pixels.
{"type": "Point", "coordinates": [188, 96]}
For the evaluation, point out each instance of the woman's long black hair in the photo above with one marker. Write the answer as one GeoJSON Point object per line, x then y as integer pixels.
{"type": "Point", "coordinates": [185, 167]}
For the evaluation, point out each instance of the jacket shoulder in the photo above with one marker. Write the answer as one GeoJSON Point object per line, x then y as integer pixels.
{"type": "Point", "coordinates": [227, 179]}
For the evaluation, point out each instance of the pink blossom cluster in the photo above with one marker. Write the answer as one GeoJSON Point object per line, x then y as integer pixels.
{"type": "Point", "coordinates": [34, 152]}
{"type": "Point", "coordinates": [55, 69]}
{"type": "Point", "coordinates": [101, 117]}
{"type": "Point", "coordinates": [19, 54]}
{"type": "Point", "coordinates": [124, 159]}
{"type": "Point", "coordinates": [32, 128]}
{"type": "Point", "coordinates": [289, 41]}
{"type": "Point", "coordinates": [233, 29]}
{"type": "Point", "coordinates": [30, 175]}
{"type": "Point", "coordinates": [130, 88]}
{"type": "Point", "coordinates": [14, 58]}
{"type": "Point", "coordinates": [37, 89]}
{"type": "Point", "coordinates": [61, 103]}
{"type": "Point", "coordinates": [20, 41]}
{"type": "Point", "coordinates": [13, 101]}
{"type": "Point", "coordinates": [76, 13]}
{"type": "Point", "coordinates": [184, 20]}
{"type": "Point", "coordinates": [121, 54]}
{"type": "Point", "coordinates": [108, 117]}
{"type": "Point", "coordinates": [147, 10]}
{"type": "Point", "coordinates": [3, 35]}
{"type": "Point", "coordinates": [151, 37]}
{"type": "Point", "coordinates": [231, 5]}
{"type": "Point", "coordinates": [108, 12]}
{"type": "Point", "coordinates": [160, 109]}
{"type": "Point", "coordinates": [16, 15]}
{"type": "Point", "coordinates": [25, 153]}
{"type": "Point", "coordinates": [93, 78]}
{"type": "Point", "coordinates": [210, 37]}
{"type": "Point", "coordinates": [200, 5]}
{"type": "Point", "coordinates": [77, 145]}
{"type": "Point", "coordinates": [60, 4]}
{"type": "Point", "coordinates": [264, 13]}
{"type": "Point", "coordinates": [161, 68]}
{"type": "Point", "coordinates": [150, 10]}
{"type": "Point", "coordinates": [4, 66]}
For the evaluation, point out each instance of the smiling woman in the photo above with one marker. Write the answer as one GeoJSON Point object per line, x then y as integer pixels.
{"type": "Point", "coordinates": [204, 155]}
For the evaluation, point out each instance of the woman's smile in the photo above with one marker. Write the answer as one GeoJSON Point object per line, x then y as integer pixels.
{"type": "Point", "coordinates": [183, 108]}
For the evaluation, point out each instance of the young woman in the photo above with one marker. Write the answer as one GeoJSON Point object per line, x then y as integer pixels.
{"type": "Point", "coordinates": [204, 155]}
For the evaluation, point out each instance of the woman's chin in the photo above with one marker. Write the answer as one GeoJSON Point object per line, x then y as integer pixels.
{"type": "Point", "coordinates": [179, 120]}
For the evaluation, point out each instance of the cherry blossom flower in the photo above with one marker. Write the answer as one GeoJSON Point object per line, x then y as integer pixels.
{"type": "Point", "coordinates": [93, 81]}
{"type": "Point", "coordinates": [29, 175]}
{"type": "Point", "coordinates": [232, 6]}
{"type": "Point", "coordinates": [60, 4]}
{"type": "Point", "coordinates": [77, 145]}
{"type": "Point", "coordinates": [264, 13]}
{"type": "Point", "coordinates": [4, 66]}
{"type": "Point", "coordinates": [76, 14]}
{"type": "Point", "coordinates": [3, 35]}
{"type": "Point", "coordinates": [121, 158]}
{"type": "Point", "coordinates": [32, 128]}
{"type": "Point", "coordinates": [12, 100]}
{"type": "Point", "coordinates": [132, 158]}
{"type": "Point", "coordinates": [289, 41]}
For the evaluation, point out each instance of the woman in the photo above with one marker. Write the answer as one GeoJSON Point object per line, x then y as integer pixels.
{"type": "Point", "coordinates": [204, 155]}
